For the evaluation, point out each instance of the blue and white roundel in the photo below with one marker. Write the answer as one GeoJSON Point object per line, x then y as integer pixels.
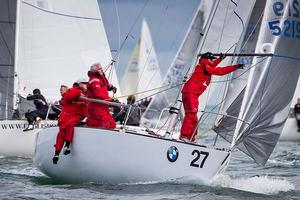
{"type": "Point", "coordinates": [172, 154]}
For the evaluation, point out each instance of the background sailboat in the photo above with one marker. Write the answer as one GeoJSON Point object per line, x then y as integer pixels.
{"type": "Point", "coordinates": [56, 42]}
{"type": "Point", "coordinates": [142, 72]}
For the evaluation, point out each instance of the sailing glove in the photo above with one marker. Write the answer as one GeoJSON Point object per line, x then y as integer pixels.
{"type": "Point", "coordinates": [112, 88]}
{"type": "Point", "coordinates": [240, 66]}
{"type": "Point", "coordinates": [223, 56]}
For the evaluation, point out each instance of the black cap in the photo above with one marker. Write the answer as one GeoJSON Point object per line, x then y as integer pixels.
{"type": "Point", "coordinates": [208, 55]}
{"type": "Point", "coordinates": [36, 91]}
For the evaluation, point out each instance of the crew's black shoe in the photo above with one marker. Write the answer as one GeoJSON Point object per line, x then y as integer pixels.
{"type": "Point", "coordinates": [55, 159]}
{"type": "Point", "coordinates": [67, 150]}
{"type": "Point", "coordinates": [29, 127]}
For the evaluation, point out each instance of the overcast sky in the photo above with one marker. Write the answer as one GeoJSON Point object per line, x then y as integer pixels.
{"type": "Point", "coordinates": [168, 21]}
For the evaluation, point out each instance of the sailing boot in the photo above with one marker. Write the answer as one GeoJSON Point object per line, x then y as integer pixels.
{"type": "Point", "coordinates": [29, 127]}
{"type": "Point", "coordinates": [56, 157]}
{"type": "Point", "coordinates": [67, 149]}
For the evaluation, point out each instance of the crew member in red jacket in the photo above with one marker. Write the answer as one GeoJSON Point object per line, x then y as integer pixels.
{"type": "Point", "coordinates": [73, 111]}
{"type": "Point", "coordinates": [195, 86]}
{"type": "Point", "coordinates": [98, 87]}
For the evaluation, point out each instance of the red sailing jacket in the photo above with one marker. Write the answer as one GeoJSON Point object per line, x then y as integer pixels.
{"type": "Point", "coordinates": [201, 77]}
{"type": "Point", "coordinates": [72, 105]}
{"type": "Point", "coordinates": [98, 88]}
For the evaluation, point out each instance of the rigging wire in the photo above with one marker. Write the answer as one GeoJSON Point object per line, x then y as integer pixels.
{"type": "Point", "coordinates": [179, 83]}
{"type": "Point", "coordinates": [110, 65]}
{"type": "Point", "coordinates": [127, 36]}
{"type": "Point", "coordinates": [119, 29]}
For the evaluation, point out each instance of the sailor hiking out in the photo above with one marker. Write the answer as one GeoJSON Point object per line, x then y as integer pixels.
{"type": "Point", "coordinates": [41, 108]}
{"type": "Point", "coordinates": [56, 106]}
{"type": "Point", "coordinates": [98, 87]}
{"type": "Point", "coordinates": [195, 86]}
{"type": "Point", "coordinates": [73, 111]}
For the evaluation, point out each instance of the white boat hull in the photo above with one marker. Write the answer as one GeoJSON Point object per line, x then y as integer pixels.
{"type": "Point", "coordinates": [105, 156]}
{"type": "Point", "coordinates": [289, 132]}
{"type": "Point", "coordinates": [15, 142]}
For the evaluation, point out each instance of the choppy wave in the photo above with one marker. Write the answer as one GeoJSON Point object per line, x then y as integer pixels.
{"type": "Point", "coordinates": [28, 171]}
{"type": "Point", "coordinates": [256, 184]}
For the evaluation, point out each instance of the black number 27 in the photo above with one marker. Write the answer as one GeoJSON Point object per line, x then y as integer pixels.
{"type": "Point", "coordinates": [198, 153]}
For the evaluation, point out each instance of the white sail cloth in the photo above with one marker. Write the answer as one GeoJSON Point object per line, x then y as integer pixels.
{"type": "Point", "coordinates": [58, 41]}
{"type": "Point", "coordinates": [143, 71]}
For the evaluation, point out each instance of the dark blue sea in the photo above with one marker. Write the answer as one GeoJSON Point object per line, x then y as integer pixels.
{"type": "Point", "coordinates": [279, 179]}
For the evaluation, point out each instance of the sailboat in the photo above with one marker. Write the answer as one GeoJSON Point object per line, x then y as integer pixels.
{"type": "Point", "coordinates": [290, 129]}
{"type": "Point", "coordinates": [133, 155]}
{"type": "Point", "coordinates": [142, 72]}
{"type": "Point", "coordinates": [55, 43]}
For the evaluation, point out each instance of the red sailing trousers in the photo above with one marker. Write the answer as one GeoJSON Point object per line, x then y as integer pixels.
{"type": "Point", "coordinates": [66, 132]}
{"type": "Point", "coordinates": [190, 104]}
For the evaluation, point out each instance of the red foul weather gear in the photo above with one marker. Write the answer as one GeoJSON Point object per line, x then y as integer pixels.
{"type": "Point", "coordinates": [73, 110]}
{"type": "Point", "coordinates": [98, 113]}
{"type": "Point", "coordinates": [194, 87]}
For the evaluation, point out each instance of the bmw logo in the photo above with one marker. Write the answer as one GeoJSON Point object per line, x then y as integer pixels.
{"type": "Point", "coordinates": [172, 154]}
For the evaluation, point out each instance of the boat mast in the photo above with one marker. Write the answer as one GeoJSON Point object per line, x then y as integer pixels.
{"type": "Point", "coordinates": [16, 82]}
{"type": "Point", "coordinates": [174, 110]}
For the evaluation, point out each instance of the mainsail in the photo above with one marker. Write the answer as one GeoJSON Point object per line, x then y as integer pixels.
{"type": "Point", "coordinates": [142, 72]}
{"type": "Point", "coordinates": [57, 42]}
{"type": "Point", "coordinates": [271, 83]}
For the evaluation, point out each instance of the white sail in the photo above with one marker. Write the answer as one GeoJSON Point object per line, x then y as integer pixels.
{"type": "Point", "coordinates": [131, 75]}
{"type": "Point", "coordinates": [58, 41]}
{"type": "Point", "coordinates": [271, 83]}
{"type": "Point", "coordinates": [143, 72]}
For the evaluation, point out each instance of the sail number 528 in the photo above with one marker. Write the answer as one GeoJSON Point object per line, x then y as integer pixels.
{"type": "Point", "coordinates": [199, 160]}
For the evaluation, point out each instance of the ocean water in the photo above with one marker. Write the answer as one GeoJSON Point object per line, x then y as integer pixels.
{"type": "Point", "coordinates": [243, 179]}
